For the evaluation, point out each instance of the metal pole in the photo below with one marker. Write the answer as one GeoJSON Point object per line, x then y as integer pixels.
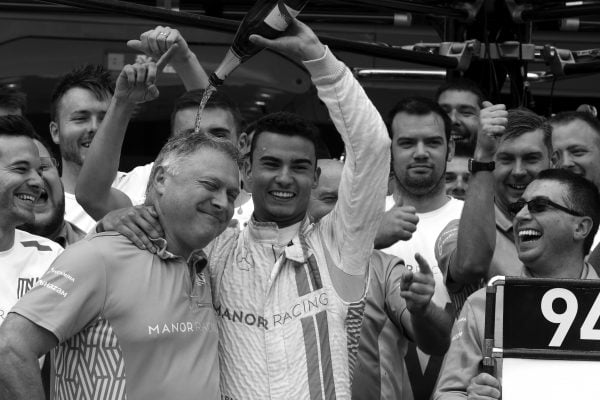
{"type": "Point", "coordinates": [433, 11]}
{"type": "Point", "coordinates": [540, 14]}
{"type": "Point", "coordinates": [220, 24]}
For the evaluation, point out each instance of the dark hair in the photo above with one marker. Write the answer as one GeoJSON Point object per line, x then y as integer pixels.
{"type": "Point", "coordinates": [522, 120]}
{"type": "Point", "coordinates": [16, 125]}
{"type": "Point", "coordinates": [173, 154]}
{"type": "Point", "coordinates": [13, 99]}
{"type": "Point", "coordinates": [462, 85]}
{"type": "Point", "coordinates": [218, 99]}
{"type": "Point", "coordinates": [420, 106]}
{"type": "Point", "coordinates": [286, 124]}
{"type": "Point", "coordinates": [582, 197]}
{"type": "Point", "coordinates": [567, 117]}
{"type": "Point", "coordinates": [90, 77]}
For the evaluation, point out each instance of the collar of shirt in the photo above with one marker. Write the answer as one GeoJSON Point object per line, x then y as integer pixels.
{"type": "Point", "coordinates": [68, 234]}
{"type": "Point", "coordinates": [197, 258]}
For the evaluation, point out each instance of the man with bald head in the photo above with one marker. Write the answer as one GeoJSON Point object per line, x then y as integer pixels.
{"type": "Point", "coordinates": [396, 311]}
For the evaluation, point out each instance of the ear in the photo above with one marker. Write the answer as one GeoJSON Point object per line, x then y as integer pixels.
{"type": "Point", "coordinates": [451, 148]}
{"type": "Point", "coordinates": [247, 173]}
{"type": "Point", "coordinates": [583, 228]}
{"type": "Point", "coordinates": [54, 131]}
{"type": "Point", "coordinates": [244, 143]}
{"type": "Point", "coordinates": [159, 181]}
{"type": "Point", "coordinates": [316, 178]}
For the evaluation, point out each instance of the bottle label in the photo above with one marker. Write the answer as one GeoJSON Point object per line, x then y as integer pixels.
{"type": "Point", "coordinates": [278, 20]}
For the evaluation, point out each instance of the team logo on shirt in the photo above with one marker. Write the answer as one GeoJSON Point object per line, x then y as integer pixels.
{"type": "Point", "coordinates": [24, 284]}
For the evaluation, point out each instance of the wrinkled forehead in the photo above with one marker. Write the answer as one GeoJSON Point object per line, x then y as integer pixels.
{"type": "Point", "coordinates": [455, 97]}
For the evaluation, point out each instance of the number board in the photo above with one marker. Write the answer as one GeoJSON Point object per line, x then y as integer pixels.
{"type": "Point", "coordinates": [551, 314]}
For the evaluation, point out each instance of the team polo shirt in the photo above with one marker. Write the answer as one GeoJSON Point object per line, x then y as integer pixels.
{"type": "Point", "coordinates": [463, 359]}
{"type": "Point", "coordinates": [380, 371]}
{"type": "Point", "coordinates": [130, 324]}
{"type": "Point", "coordinates": [505, 260]}
{"type": "Point", "coordinates": [22, 265]}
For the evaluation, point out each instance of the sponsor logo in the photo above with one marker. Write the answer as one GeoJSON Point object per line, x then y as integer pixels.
{"type": "Point", "coordinates": [52, 287]}
{"type": "Point", "coordinates": [181, 327]}
{"type": "Point", "coordinates": [24, 285]}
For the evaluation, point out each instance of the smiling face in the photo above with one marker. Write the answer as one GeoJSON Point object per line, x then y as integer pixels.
{"type": "Point", "coordinates": [20, 182]}
{"type": "Point", "coordinates": [79, 114]}
{"type": "Point", "coordinates": [281, 175]}
{"type": "Point", "coordinates": [196, 199]}
{"type": "Point", "coordinates": [419, 152]}
{"type": "Point", "coordinates": [544, 239]}
{"type": "Point", "coordinates": [50, 207]}
{"type": "Point", "coordinates": [577, 146]}
{"type": "Point", "coordinates": [463, 109]}
{"type": "Point", "coordinates": [518, 162]}
{"type": "Point", "coordinates": [217, 122]}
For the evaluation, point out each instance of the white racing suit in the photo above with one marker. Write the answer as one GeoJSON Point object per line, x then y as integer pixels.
{"type": "Point", "coordinates": [285, 332]}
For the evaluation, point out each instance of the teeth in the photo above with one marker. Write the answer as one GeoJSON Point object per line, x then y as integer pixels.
{"type": "Point", "coordinates": [26, 197]}
{"type": "Point", "coordinates": [286, 195]}
{"type": "Point", "coordinates": [527, 235]}
{"type": "Point", "coordinates": [518, 187]}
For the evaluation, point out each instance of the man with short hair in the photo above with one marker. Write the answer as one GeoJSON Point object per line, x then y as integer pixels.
{"type": "Point", "coordinates": [398, 308]}
{"type": "Point", "coordinates": [23, 257]}
{"type": "Point", "coordinates": [118, 340]}
{"type": "Point", "coordinates": [221, 118]}
{"type": "Point", "coordinates": [49, 219]}
{"type": "Point", "coordinates": [462, 100]}
{"type": "Point", "coordinates": [12, 102]}
{"type": "Point", "coordinates": [512, 148]}
{"type": "Point", "coordinates": [576, 142]}
{"type": "Point", "coordinates": [457, 172]}
{"type": "Point", "coordinates": [555, 221]}
{"type": "Point", "coordinates": [419, 209]}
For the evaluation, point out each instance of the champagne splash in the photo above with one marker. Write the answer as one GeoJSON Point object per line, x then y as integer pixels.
{"type": "Point", "coordinates": [205, 97]}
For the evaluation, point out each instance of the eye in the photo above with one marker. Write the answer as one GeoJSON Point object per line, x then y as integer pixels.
{"type": "Point", "coordinates": [450, 177]}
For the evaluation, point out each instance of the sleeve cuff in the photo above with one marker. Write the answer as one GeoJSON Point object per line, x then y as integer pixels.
{"type": "Point", "coordinates": [325, 69]}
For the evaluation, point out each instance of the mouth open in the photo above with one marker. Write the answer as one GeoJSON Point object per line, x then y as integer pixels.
{"type": "Point", "coordinates": [28, 198]}
{"type": "Point", "coordinates": [529, 235]}
{"type": "Point", "coordinates": [282, 195]}
{"type": "Point", "coordinates": [515, 186]}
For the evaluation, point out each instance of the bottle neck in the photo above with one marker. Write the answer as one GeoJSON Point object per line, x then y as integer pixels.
{"type": "Point", "coordinates": [230, 62]}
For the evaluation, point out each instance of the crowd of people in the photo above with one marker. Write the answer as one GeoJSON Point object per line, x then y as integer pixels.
{"type": "Point", "coordinates": [240, 265]}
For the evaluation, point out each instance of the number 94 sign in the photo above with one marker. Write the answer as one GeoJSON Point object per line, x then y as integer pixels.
{"type": "Point", "coordinates": [541, 314]}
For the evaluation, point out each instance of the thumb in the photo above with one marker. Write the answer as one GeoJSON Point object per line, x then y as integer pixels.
{"type": "Point", "coordinates": [423, 265]}
{"type": "Point", "coordinates": [135, 45]}
{"type": "Point", "coordinates": [486, 104]}
{"type": "Point", "coordinates": [261, 41]}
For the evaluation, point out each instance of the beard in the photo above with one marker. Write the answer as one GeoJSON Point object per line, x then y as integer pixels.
{"type": "Point", "coordinates": [422, 184]}
{"type": "Point", "coordinates": [70, 152]}
{"type": "Point", "coordinates": [50, 227]}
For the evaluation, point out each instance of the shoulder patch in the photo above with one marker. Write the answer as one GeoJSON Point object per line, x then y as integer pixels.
{"type": "Point", "coordinates": [36, 244]}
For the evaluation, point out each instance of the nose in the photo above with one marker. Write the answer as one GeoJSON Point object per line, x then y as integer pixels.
{"type": "Point", "coordinates": [565, 160]}
{"type": "Point", "coordinates": [284, 176]}
{"type": "Point", "coordinates": [220, 200]}
{"type": "Point", "coordinates": [421, 151]}
{"type": "Point", "coordinates": [35, 181]}
{"type": "Point", "coordinates": [519, 168]}
{"type": "Point", "coordinates": [523, 214]}
{"type": "Point", "coordinates": [94, 124]}
{"type": "Point", "coordinates": [453, 117]}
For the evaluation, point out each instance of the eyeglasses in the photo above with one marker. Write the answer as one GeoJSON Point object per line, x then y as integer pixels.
{"type": "Point", "coordinates": [538, 205]}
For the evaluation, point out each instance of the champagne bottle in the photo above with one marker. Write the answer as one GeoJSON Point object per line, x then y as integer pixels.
{"type": "Point", "coordinates": [268, 18]}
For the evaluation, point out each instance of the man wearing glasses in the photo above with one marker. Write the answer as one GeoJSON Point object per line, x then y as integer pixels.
{"type": "Point", "coordinates": [512, 148]}
{"type": "Point", "coordinates": [554, 225]}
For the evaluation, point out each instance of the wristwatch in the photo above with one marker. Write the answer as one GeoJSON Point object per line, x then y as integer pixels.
{"type": "Point", "coordinates": [476, 166]}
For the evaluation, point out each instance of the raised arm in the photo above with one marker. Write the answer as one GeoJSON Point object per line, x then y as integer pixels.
{"type": "Point", "coordinates": [477, 228]}
{"type": "Point", "coordinates": [155, 44]}
{"type": "Point", "coordinates": [428, 324]}
{"type": "Point", "coordinates": [21, 344]}
{"type": "Point", "coordinates": [350, 228]}
{"type": "Point", "coordinates": [94, 192]}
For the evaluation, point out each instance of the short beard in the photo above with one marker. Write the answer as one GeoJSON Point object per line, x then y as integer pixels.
{"type": "Point", "coordinates": [50, 228]}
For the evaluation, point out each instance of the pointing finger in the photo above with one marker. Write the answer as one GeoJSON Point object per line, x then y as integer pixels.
{"type": "Point", "coordinates": [423, 265]}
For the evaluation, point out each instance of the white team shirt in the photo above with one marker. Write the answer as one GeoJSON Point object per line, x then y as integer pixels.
{"type": "Point", "coordinates": [22, 265]}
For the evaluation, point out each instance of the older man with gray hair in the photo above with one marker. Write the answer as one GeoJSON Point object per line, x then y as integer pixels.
{"type": "Point", "coordinates": [127, 323]}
